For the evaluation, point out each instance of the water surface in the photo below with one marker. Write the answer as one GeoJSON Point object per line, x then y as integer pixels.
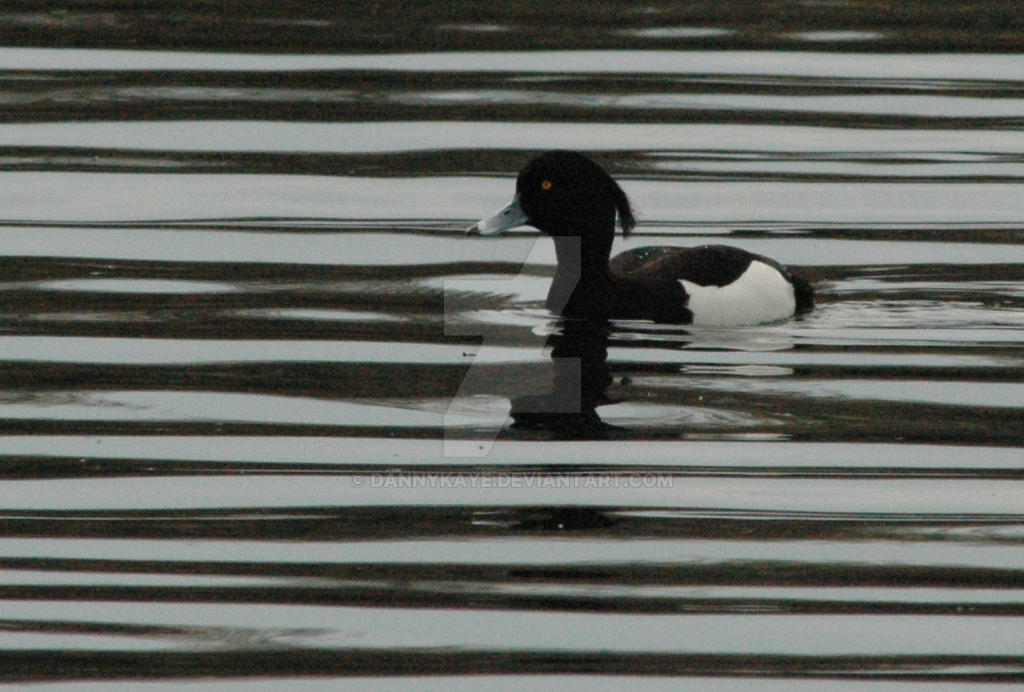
{"type": "Point", "coordinates": [256, 380]}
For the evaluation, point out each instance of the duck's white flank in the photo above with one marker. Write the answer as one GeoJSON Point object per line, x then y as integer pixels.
{"type": "Point", "coordinates": [760, 295]}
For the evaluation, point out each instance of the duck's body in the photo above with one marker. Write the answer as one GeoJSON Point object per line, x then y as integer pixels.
{"type": "Point", "coordinates": [570, 198]}
{"type": "Point", "coordinates": [721, 285]}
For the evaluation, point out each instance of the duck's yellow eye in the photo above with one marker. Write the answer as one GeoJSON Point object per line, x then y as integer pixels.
{"type": "Point", "coordinates": [546, 185]}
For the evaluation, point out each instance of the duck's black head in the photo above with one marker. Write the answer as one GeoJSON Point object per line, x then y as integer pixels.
{"type": "Point", "coordinates": [563, 193]}
{"type": "Point", "coordinates": [566, 193]}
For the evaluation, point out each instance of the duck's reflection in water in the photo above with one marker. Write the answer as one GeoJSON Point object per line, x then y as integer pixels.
{"type": "Point", "coordinates": [581, 377]}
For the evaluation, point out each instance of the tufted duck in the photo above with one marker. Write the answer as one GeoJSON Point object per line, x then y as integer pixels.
{"type": "Point", "coordinates": [572, 199]}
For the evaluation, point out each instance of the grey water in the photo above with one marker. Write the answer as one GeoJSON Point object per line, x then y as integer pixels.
{"type": "Point", "coordinates": [256, 381]}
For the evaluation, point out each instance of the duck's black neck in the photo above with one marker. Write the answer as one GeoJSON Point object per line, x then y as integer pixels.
{"type": "Point", "coordinates": [582, 283]}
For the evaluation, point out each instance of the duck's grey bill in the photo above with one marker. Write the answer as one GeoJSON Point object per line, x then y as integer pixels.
{"type": "Point", "coordinates": [509, 217]}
